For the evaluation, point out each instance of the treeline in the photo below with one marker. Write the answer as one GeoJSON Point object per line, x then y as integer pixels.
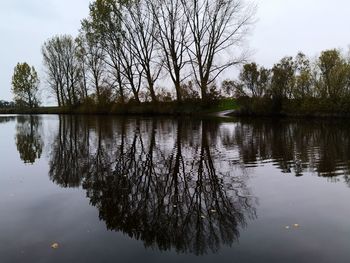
{"type": "Point", "coordinates": [296, 85]}
{"type": "Point", "coordinates": [127, 49]}
{"type": "Point", "coordinates": [6, 104]}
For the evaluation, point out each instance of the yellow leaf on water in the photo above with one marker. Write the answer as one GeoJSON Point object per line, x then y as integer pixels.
{"type": "Point", "coordinates": [296, 225]}
{"type": "Point", "coordinates": [54, 246]}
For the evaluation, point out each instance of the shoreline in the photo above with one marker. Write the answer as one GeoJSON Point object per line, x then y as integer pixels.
{"type": "Point", "coordinates": [310, 108]}
{"type": "Point", "coordinates": [217, 114]}
{"type": "Point", "coordinates": [190, 108]}
{"type": "Point", "coordinates": [238, 114]}
{"type": "Point", "coordinates": [226, 108]}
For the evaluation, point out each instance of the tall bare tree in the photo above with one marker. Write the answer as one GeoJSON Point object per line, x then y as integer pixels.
{"type": "Point", "coordinates": [83, 66]}
{"type": "Point", "coordinates": [95, 57]}
{"type": "Point", "coordinates": [70, 69]}
{"type": "Point", "coordinates": [216, 27]}
{"type": "Point", "coordinates": [62, 67]}
{"type": "Point", "coordinates": [54, 68]}
{"type": "Point", "coordinates": [105, 21]}
{"type": "Point", "coordinates": [140, 24]}
{"type": "Point", "coordinates": [131, 69]}
{"type": "Point", "coordinates": [173, 38]}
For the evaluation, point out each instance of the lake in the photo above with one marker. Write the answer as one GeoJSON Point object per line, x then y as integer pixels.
{"type": "Point", "coordinates": [110, 189]}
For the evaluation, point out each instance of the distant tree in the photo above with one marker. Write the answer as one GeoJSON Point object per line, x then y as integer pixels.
{"type": "Point", "coordinates": [189, 91]}
{"type": "Point", "coordinates": [334, 74]}
{"type": "Point", "coordinates": [25, 85]}
{"type": "Point", "coordinates": [7, 104]}
{"type": "Point", "coordinates": [303, 78]}
{"type": "Point", "coordinates": [249, 77]}
{"type": "Point", "coordinates": [255, 80]}
{"type": "Point", "coordinates": [229, 87]}
{"type": "Point", "coordinates": [283, 78]}
{"type": "Point", "coordinates": [264, 81]}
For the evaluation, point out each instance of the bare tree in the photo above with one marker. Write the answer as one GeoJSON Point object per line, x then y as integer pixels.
{"type": "Point", "coordinates": [216, 27]}
{"type": "Point", "coordinates": [95, 57]}
{"type": "Point", "coordinates": [83, 66]}
{"type": "Point", "coordinates": [105, 21]}
{"type": "Point", "coordinates": [173, 38]}
{"type": "Point", "coordinates": [131, 69]}
{"type": "Point", "coordinates": [140, 24]}
{"type": "Point", "coordinates": [54, 68]}
{"type": "Point", "coordinates": [70, 69]}
{"type": "Point", "coordinates": [62, 68]}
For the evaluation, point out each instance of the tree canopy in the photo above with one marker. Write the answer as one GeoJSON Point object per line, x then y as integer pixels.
{"type": "Point", "coordinates": [25, 85]}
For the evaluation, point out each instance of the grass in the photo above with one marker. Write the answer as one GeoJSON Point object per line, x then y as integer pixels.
{"type": "Point", "coordinates": [304, 108]}
{"type": "Point", "coordinates": [224, 105]}
{"type": "Point", "coordinates": [191, 107]}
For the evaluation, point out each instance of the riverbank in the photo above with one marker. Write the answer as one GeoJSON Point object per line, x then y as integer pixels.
{"type": "Point", "coordinates": [306, 108]}
{"type": "Point", "coordinates": [193, 107]}
{"type": "Point", "coordinates": [242, 107]}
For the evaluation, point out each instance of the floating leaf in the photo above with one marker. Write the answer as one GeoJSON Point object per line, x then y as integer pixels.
{"type": "Point", "coordinates": [54, 246]}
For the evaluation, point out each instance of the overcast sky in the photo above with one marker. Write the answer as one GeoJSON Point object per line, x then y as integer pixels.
{"type": "Point", "coordinates": [283, 27]}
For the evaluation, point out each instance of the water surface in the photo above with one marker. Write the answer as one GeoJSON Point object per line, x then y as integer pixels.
{"type": "Point", "coordinates": [110, 189]}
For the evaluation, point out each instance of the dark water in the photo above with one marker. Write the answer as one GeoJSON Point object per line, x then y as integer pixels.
{"type": "Point", "coordinates": [168, 190]}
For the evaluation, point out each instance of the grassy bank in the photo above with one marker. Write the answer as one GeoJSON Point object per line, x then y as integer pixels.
{"type": "Point", "coordinates": [309, 107]}
{"type": "Point", "coordinates": [193, 107]}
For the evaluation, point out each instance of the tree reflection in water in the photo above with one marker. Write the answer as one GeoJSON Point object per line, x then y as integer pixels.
{"type": "Point", "coordinates": [160, 181]}
{"type": "Point", "coordinates": [70, 159]}
{"type": "Point", "coordinates": [29, 139]}
{"type": "Point", "coordinates": [181, 184]}
{"type": "Point", "coordinates": [299, 147]}
{"type": "Point", "coordinates": [5, 119]}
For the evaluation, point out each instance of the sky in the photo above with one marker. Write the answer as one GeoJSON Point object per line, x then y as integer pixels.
{"type": "Point", "coordinates": [283, 27]}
